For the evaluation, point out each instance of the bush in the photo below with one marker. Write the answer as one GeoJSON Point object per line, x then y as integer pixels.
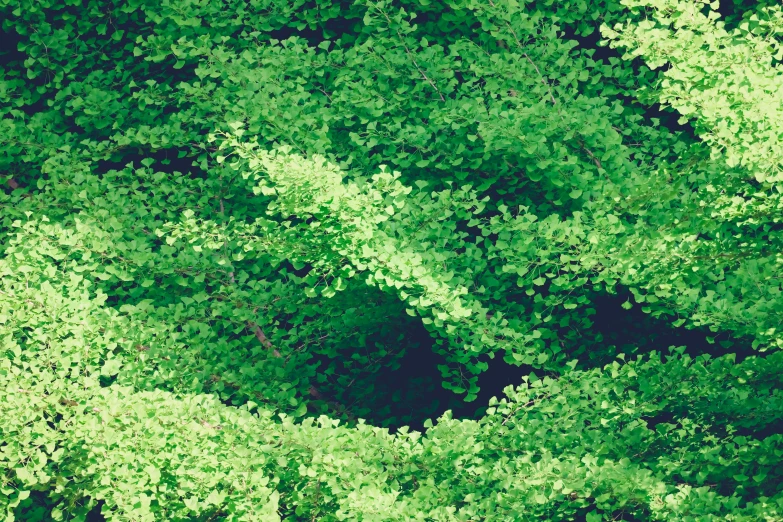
{"type": "Point", "coordinates": [244, 244]}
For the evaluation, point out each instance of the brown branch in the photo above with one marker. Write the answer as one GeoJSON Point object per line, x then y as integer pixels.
{"type": "Point", "coordinates": [314, 392]}
{"type": "Point", "coordinates": [263, 339]}
{"type": "Point", "coordinates": [410, 55]}
{"type": "Point", "coordinates": [521, 47]}
{"type": "Point", "coordinates": [420, 70]}
{"type": "Point", "coordinates": [514, 412]}
{"type": "Point", "coordinates": [595, 160]}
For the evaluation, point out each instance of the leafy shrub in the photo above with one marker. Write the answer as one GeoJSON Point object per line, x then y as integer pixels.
{"type": "Point", "coordinates": [225, 225]}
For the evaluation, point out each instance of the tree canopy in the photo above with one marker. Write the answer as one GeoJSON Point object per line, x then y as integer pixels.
{"type": "Point", "coordinates": [258, 258]}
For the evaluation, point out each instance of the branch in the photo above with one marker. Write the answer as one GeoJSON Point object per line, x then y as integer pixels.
{"type": "Point", "coordinates": [521, 48]}
{"type": "Point", "coordinates": [595, 160]}
{"type": "Point", "coordinates": [314, 392]}
{"type": "Point", "coordinates": [263, 339]}
{"type": "Point", "coordinates": [410, 55]}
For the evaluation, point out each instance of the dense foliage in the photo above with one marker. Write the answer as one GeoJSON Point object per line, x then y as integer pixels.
{"type": "Point", "coordinates": [240, 240]}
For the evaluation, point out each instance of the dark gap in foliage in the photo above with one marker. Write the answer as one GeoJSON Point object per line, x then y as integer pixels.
{"type": "Point", "coordinates": [498, 376]}
{"type": "Point", "coordinates": [414, 390]}
{"type": "Point", "coordinates": [668, 118]}
{"type": "Point", "coordinates": [631, 332]}
{"type": "Point", "coordinates": [172, 160]}
{"type": "Point", "coordinates": [107, 381]}
{"type": "Point", "coordinates": [407, 395]}
{"type": "Point", "coordinates": [636, 332]}
{"type": "Point", "coordinates": [663, 417]}
{"type": "Point", "coordinates": [342, 28]}
{"type": "Point", "coordinates": [770, 429]}
{"type": "Point", "coordinates": [166, 160]}
{"type": "Point", "coordinates": [727, 8]}
{"type": "Point", "coordinates": [94, 514]}
{"type": "Point", "coordinates": [312, 36]}
{"type": "Point", "coordinates": [9, 48]}
{"type": "Point", "coordinates": [590, 42]}
{"type": "Point", "coordinates": [35, 507]}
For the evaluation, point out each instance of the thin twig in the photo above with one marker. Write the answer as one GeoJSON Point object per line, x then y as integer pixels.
{"type": "Point", "coordinates": [263, 339]}
{"type": "Point", "coordinates": [313, 391]}
{"type": "Point", "coordinates": [410, 55]}
{"type": "Point", "coordinates": [595, 160]}
{"type": "Point", "coordinates": [521, 47]}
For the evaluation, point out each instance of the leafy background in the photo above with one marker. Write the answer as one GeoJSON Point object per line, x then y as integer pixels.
{"type": "Point", "coordinates": [390, 260]}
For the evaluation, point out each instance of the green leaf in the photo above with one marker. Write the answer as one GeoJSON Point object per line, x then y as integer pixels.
{"type": "Point", "coordinates": [154, 474]}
